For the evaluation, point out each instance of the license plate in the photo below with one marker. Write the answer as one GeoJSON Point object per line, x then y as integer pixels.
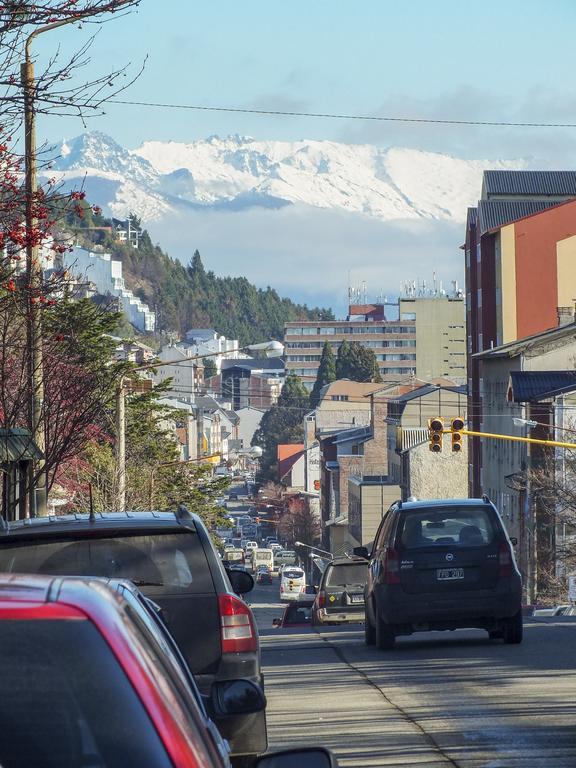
{"type": "Point", "coordinates": [449, 574]}
{"type": "Point", "coordinates": [356, 598]}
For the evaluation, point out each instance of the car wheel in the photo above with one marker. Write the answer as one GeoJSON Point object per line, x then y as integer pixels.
{"type": "Point", "coordinates": [513, 629]}
{"type": "Point", "coordinates": [497, 634]}
{"type": "Point", "coordinates": [385, 637]}
{"type": "Point", "coordinates": [369, 631]}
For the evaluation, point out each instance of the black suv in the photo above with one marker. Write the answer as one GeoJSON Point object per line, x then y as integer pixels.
{"type": "Point", "coordinates": [340, 597]}
{"type": "Point", "coordinates": [170, 557]}
{"type": "Point", "coordinates": [441, 565]}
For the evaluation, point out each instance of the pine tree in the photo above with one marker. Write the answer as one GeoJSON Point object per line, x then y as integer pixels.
{"type": "Point", "coordinates": [357, 363]}
{"type": "Point", "coordinates": [283, 423]}
{"type": "Point", "coordinates": [326, 374]}
{"type": "Point", "coordinates": [343, 367]}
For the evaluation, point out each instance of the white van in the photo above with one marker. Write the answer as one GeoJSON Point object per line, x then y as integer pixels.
{"type": "Point", "coordinates": [292, 581]}
{"type": "Point", "coordinates": [262, 557]}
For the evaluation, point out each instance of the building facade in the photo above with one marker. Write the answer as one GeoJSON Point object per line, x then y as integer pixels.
{"type": "Point", "coordinates": [519, 269]}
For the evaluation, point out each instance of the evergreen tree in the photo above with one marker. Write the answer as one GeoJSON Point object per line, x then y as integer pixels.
{"type": "Point", "coordinates": [283, 423]}
{"type": "Point", "coordinates": [357, 363]}
{"type": "Point", "coordinates": [326, 374]}
{"type": "Point", "coordinates": [210, 368]}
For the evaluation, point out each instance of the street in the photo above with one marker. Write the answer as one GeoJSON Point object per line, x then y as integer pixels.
{"type": "Point", "coordinates": [438, 699]}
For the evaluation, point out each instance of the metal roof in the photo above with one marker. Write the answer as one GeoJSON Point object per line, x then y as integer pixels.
{"type": "Point", "coordinates": [541, 339]}
{"type": "Point", "coordinates": [556, 183]}
{"type": "Point", "coordinates": [496, 213]}
{"type": "Point", "coordinates": [17, 445]}
{"type": "Point", "coordinates": [533, 386]}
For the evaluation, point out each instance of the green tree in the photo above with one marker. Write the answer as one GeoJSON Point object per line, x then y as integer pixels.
{"type": "Point", "coordinates": [326, 374]}
{"type": "Point", "coordinates": [357, 363]}
{"type": "Point", "coordinates": [210, 368]}
{"type": "Point", "coordinates": [283, 423]}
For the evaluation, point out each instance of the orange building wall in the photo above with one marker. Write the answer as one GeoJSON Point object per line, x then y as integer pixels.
{"type": "Point", "coordinates": [536, 276]}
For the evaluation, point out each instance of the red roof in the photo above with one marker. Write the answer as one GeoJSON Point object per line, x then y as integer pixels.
{"type": "Point", "coordinates": [288, 454]}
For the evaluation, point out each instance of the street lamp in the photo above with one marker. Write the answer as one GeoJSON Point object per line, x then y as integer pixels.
{"type": "Point", "coordinates": [317, 549]}
{"type": "Point", "coordinates": [518, 422]}
{"type": "Point", "coordinates": [270, 349]}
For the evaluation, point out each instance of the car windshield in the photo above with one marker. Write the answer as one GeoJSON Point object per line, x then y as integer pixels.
{"type": "Point", "coordinates": [346, 574]}
{"type": "Point", "coordinates": [168, 562]}
{"type": "Point", "coordinates": [291, 574]}
{"type": "Point", "coordinates": [452, 526]}
{"type": "Point", "coordinates": [65, 701]}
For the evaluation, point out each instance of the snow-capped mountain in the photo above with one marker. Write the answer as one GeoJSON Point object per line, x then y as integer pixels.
{"type": "Point", "coordinates": [237, 173]}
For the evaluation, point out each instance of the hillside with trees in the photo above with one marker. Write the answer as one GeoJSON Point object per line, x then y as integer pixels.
{"type": "Point", "coordinates": [190, 296]}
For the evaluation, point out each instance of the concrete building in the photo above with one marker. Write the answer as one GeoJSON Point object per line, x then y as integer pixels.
{"type": "Point", "coordinates": [440, 334]}
{"type": "Point", "coordinates": [520, 267]}
{"type": "Point", "coordinates": [250, 382]}
{"type": "Point", "coordinates": [411, 465]}
{"type": "Point", "coordinates": [186, 374]}
{"type": "Point", "coordinates": [206, 341]}
{"type": "Point", "coordinates": [504, 464]}
{"type": "Point", "coordinates": [344, 403]}
{"type": "Point", "coordinates": [250, 419]}
{"type": "Point", "coordinates": [392, 341]}
{"type": "Point", "coordinates": [105, 273]}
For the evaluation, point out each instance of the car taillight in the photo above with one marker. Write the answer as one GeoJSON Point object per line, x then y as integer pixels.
{"type": "Point", "coordinates": [504, 560]}
{"type": "Point", "coordinates": [321, 599]}
{"type": "Point", "coordinates": [392, 567]}
{"type": "Point", "coordinates": [238, 633]}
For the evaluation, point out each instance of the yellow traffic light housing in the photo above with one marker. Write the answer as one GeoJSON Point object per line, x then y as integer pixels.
{"type": "Point", "coordinates": [435, 428]}
{"type": "Point", "coordinates": [456, 427]}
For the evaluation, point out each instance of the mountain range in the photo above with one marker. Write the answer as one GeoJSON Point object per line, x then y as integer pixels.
{"type": "Point", "coordinates": [238, 173]}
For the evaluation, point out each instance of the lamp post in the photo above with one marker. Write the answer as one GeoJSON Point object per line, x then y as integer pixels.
{"type": "Point", "coordinates": [270, 348]}
{"type": "Point", "coordinates": [317, 549]}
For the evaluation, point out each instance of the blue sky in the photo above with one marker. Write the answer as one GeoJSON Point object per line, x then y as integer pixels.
{"type": "Point", "coordinates": [510, 60]}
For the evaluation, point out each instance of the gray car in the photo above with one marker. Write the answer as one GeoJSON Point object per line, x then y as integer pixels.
{"type": "Point", "coordinates": [442, 565]}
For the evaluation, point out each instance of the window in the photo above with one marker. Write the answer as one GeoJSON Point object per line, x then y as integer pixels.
{"type": "Point", "coordinates": [166, 562]}
{"type": "Point", "coordinates": [344, 575]}
{"type": "Point", "coordinates": [452, 526]}
{"type": "Point", "coordinates": [307, 331]}
{"type": "Point", "coordinates": [293, 331]}
{"type": "Point", "coordinates": [62, 677]}
{"type": "Point", "coordinates": [408, 316]}
{"type": "Point", "coordinates": [327, 331]}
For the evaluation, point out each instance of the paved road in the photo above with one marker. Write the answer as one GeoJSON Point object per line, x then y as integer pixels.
{"type": "Point", "coordinates": [438, 699]}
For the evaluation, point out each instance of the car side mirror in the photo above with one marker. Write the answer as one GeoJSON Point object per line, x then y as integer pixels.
{"type": "Point", "coordinates": [276, 622]}
{"type": "Point", "coordinates": [361, 552]}
{"type": "Point", "coordinates": [235, 697]}
{"type": "Point", "coordinates": [316, 757]}
{"type": "Point", "coordinates": [513, 541]}
{"type": "Point", "coordinates": [241, 581]}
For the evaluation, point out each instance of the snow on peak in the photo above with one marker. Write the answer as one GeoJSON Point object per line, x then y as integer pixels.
{"type": "Point", "coordinates": [237, 172]}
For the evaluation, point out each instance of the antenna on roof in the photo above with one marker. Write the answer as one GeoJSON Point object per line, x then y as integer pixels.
{"type": "Point", "coordinates": [91, 517]}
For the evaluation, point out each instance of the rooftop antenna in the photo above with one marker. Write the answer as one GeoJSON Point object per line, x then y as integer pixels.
{"type": "Point", "coordinates": [91, 516]}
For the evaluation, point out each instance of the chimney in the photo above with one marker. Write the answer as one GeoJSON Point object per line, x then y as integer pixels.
{"type": "Point", "coordinates": [565, 315]}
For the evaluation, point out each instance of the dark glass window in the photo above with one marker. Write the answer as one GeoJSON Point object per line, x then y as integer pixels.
{"type": "Point", "coordinates": [171, 562]}
{"type": "Point", "coordinates": [65, 701]}
{"type": "Point", "coordinates": [345, 575]}
{"type": "Point", "coordinates": [454, 527]}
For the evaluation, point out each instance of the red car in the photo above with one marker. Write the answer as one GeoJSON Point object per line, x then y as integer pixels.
{"type": "Point", "coordinates": [81, 684]}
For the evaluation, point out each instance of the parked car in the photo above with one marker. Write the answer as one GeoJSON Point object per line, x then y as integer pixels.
{"type": "Point", "coordinates": [442, 565]}
{"type": "Point", "coordinates": [340, 598]}
{"type": "Point", "coordinates": [171, 558]}
{"type": "Point", "coordinates": [82, 682]}
{"type": "Point", "coordinates": [292, 580]}
{"type": "Point", "coordinates": [555, 610]}
{"type": "Point", "coordinates": [295, 615]}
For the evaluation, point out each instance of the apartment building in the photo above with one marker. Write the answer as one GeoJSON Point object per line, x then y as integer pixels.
{"type": "Point", "coordinates": [520, 269]}
{"type": "Point", "coordinates": [428, 339]}
{"type": "Point", "coordinates": [392, 341]}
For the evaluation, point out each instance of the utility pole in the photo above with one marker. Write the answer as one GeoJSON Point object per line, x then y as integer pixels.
{"type": "Point", "coordinates": [121, 446]}
{"type": "Point", "coordinates": [34, 278]}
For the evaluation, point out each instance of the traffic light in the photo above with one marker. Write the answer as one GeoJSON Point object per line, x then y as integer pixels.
{"type": "Point", "coordinates": [456, 426]}
{"type": "Point", "coordinates": [435, 428]}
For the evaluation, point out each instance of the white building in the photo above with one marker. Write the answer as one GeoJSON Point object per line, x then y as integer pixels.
{"type": "Point", "coordinates": [106, 275]}
{"type": "Point", "coordinates": [206, 341]}
{"type": "Point", "coordinates": [180, 367]}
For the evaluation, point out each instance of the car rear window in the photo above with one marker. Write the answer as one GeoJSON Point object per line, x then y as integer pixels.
{"type": "Point", "coordinates": [291, 574]}
{"type": "Point", "coordinates": [343, 575]}
{"type": "Point", "coordinates": [162, 563]}
{"type": "Point", "coordinates": [451, 526]}
{"type": "Point", "coordinates": [65, 701]}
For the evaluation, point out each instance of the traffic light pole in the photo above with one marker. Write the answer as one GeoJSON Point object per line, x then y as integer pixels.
{"type": "Point", "coordinates": [514, 438]}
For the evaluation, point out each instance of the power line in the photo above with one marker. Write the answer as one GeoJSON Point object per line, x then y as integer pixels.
{"type": "Point", "coordinates": [336, 116]}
